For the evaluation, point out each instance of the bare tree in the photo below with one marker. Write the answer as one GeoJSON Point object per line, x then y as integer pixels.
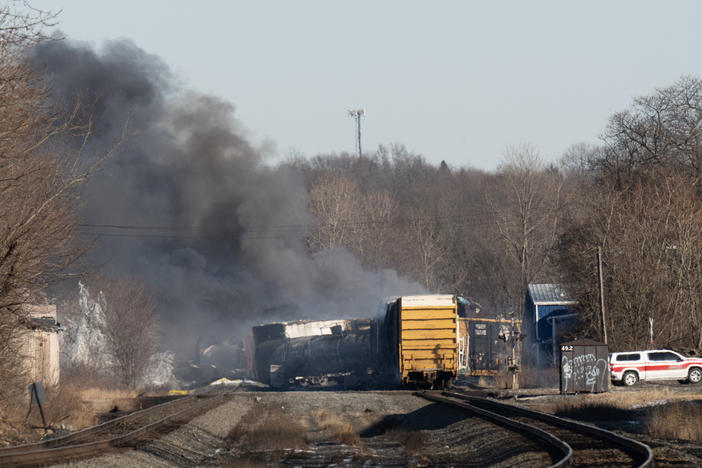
{"type": "Point", "coordinates": [130, 329]}
{"type": "Point", "coordinates": [639, 196]}
{"type": "Point", "coordinates": [526, 208]}
{"type": "Point", "coordinates": [376, 229]}
{"type": "Point", "coordinates": [333, 200]}
{"type": "Point", "coordinates": [348, 218]}
{"type": "Point", "coordinates": [651, 240]}
{"type": "Point", "coordinates": [23, 128]}
{"type": "Point", "coordinates": [426, 253]}
{"type": "Point", "coordinates": [662, 129]}
{"type": "Point", "coordinates": [41, 169]}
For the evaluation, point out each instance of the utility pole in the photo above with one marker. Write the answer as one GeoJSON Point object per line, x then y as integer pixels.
{"type": "Point", "coordinates": [513, 338]}
{"type": "Point", "coordinates": [602, 302]}
{"type": "Point", "coordinates": [357, 114]}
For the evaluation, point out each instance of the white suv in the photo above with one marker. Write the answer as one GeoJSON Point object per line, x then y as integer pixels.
{"type": "Point", "coordinates": [655, 364]}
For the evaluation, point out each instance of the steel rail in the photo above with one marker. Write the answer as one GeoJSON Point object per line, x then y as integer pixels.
{"type": "Point", "coordinates": [640, 452]}
{"type": "Point", "coordinates": [39, 453]}
{"type": "Point", "coordinates": [88, 432]}
{"type": "Point", "coordinates": [556, 446]}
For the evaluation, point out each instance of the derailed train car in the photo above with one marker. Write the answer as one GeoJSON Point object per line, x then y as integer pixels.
{"type": "Point", "coordinates": [312, 352]}
{"type": "Point", "coordinates": [343, 358]}
{"type": "Point", "coordinates": [415, 343]}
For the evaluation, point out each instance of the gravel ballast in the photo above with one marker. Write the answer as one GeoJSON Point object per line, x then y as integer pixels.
{"type": "Point", "coordinates": [325, 428]}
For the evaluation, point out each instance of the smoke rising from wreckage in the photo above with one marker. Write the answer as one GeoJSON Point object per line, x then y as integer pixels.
{"type": "Point", "coordinates": [191, 207]}
{"type": "Point", "coordinates": [416, 341]}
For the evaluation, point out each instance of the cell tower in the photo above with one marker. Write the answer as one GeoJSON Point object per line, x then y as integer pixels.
{"type": "Point", "coordinates": [357, 114]}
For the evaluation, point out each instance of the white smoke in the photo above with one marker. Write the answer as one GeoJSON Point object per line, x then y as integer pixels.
{"type": "Point", "coordinates": [160, 370]}
{"type": "Point", "coordinates": [84, 344]}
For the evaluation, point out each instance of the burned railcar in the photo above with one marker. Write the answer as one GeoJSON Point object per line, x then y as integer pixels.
{"type": "Point", "coordinates": [313, 352]}
{"type": "Point", "coordinates": [413, 343]}
{"type": "Point", "coordinates": [346, 358]}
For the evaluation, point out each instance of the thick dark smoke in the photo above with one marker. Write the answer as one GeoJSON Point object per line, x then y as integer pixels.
{"type": "Point", "coordinates": [196, 212]}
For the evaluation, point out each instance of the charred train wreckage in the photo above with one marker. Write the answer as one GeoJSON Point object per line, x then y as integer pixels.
{"type": "Point", "coordinates": [310, 352]}
{"type": "Point", "coordinates": [415, 342]}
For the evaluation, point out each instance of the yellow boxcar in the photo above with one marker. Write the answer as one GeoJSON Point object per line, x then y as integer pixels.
{"type": "Point", "coordinates": [427, 331]}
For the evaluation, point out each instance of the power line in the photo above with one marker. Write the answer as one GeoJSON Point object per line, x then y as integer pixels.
{"type": "Point", "coordinates": [279, 232]}
{"type": "Point", "coordinates": [349, 224]}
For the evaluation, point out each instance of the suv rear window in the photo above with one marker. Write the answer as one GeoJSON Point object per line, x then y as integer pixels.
{"type": "Point", "coordinates": [662, 356]}
{"type": "Point", "coordinates": [628, 357]}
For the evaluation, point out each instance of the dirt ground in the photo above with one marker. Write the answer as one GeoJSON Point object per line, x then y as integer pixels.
{"type": "Point", "coordinates": [640, 412]}
{"type": "Point", "coordinates": [368, 429]}
{"type": "Point", "coordinates": [397, 429]}
{"type": "Point", "coordinates": [344, 429]}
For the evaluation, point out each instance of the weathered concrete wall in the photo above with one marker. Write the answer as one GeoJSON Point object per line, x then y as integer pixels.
{"type": "Point", "coordinates": [41, 346]}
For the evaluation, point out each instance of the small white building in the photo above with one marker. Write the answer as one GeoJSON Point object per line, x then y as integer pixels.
{"type": "Point", "coordinates": [40, 347]}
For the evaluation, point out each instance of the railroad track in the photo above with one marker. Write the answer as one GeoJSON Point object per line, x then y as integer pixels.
{"type": "Point", "coordinates": [569, 443]}
{"type": "Point", "coordinates": [125, 431]}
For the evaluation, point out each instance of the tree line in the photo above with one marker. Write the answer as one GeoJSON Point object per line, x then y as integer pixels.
{"type": "Point", "coordinates": [637, 196]}
{"type": "Point", "coordinates": [43, 165]}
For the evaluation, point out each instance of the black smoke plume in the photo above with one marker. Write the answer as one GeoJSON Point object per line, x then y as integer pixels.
{"type": "Point", "coordinates": [190, 206]}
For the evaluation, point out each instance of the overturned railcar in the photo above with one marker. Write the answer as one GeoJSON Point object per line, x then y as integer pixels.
{"type": "Point", "coordinates": [313, 352]}
{"type": "Point", "coordinates": [345, 358]}
{"type": "Point", "coordinates": [415, 343]}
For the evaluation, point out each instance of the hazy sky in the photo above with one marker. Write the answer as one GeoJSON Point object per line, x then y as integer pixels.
{"type": "Point", "coordinates": [455, 81]}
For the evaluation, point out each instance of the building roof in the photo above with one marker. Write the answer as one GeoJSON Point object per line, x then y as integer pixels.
{"type": "Point", "coordinates": [45, 324]}
{"type": "Point", "coordinates": [550, 294]}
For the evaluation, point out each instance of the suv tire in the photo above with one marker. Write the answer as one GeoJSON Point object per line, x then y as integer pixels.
{"type": "Point", "coordinates": [630, 378]}
{"type": "Point", "coordinates": [695, 375]}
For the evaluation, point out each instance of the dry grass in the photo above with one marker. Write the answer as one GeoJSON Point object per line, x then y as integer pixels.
{"type": "Point", "coordinates": [336, 429]}
{"type": "Point", "coordinates": [671, 415]}
{"type": "Point", "coordinates": [77, 402]}
{"type": "Point", "coordinates": [97, 393]}
{"type": "Point", "coordinates": [677, 420]}
{"type": "Point", "coordinates": [572, 406]}
{"type": "Point", "coordinates": [601, 411]}
{"type": "Point", "coordinates": [13, 427]}
{"type": "Point", "coordinates": [72, 404]}
{"type": "Point", "coordinates": [66, 408]}
{"type": "Point", "coordinates": [88, 376]}
{"type": "Point", "coordinates": [266, 426]}
{"type": "Point", "coordinates": [90, 384]}
{"type": "Point", "coordinates": [63, 409]}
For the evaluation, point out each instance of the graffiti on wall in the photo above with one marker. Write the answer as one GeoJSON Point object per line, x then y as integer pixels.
{"type": "Point", "coordinates": [583, 372]}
